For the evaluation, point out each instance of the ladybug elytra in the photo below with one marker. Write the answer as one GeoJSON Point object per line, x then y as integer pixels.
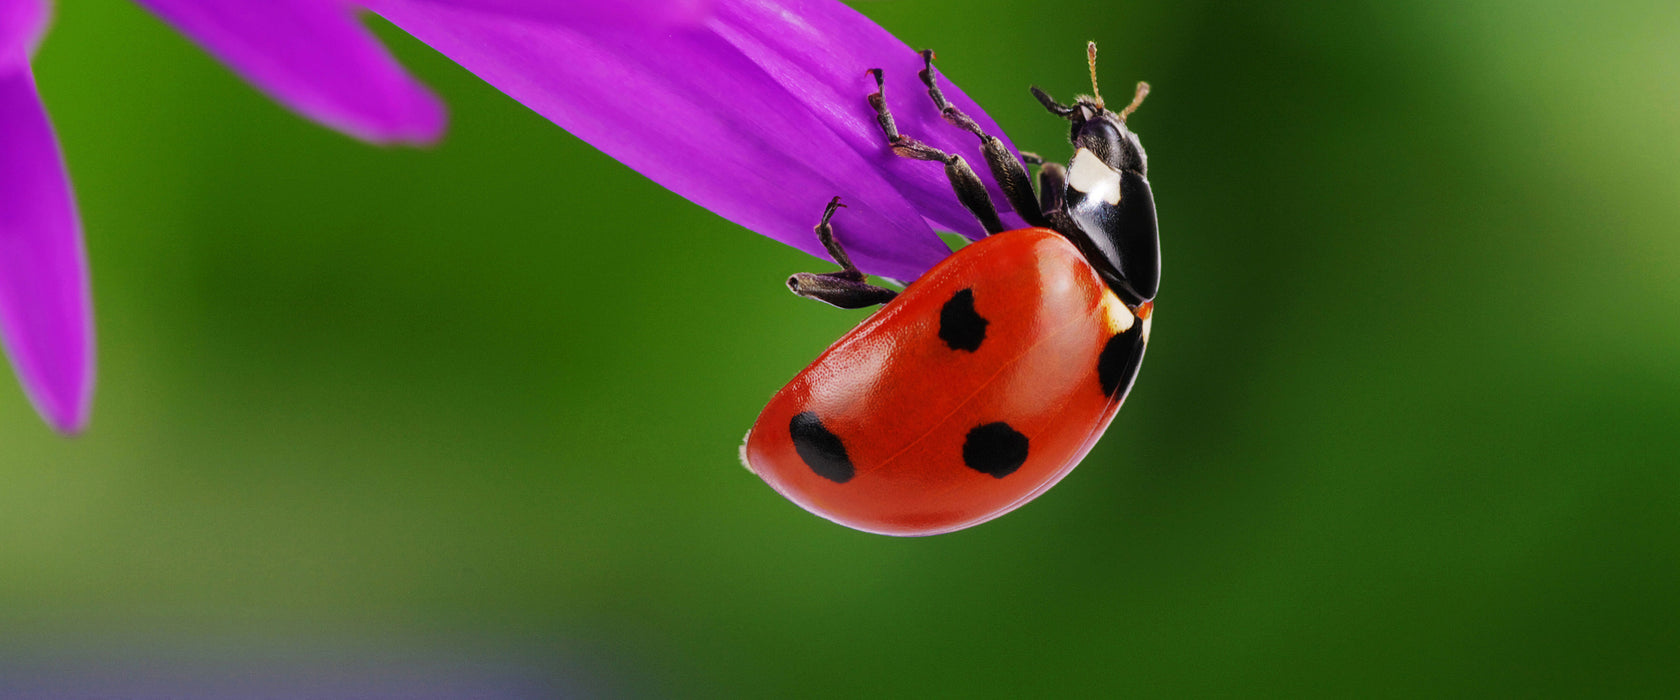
{"type": "Point", "coordinates": [991, 376]}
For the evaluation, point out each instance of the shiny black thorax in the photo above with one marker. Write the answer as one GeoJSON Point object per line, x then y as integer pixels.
{"type": "Point", "coordinates": [1106, 206]}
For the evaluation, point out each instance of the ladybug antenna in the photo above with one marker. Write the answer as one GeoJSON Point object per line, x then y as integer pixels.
{"type": "Point", "coordinates": [1137, 99]}
{"type": "Point", "coordinates": [1091, 60]}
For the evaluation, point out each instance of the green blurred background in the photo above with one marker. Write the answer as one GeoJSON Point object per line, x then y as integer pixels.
{"type": "Point", "coordinates": [1408, 426]}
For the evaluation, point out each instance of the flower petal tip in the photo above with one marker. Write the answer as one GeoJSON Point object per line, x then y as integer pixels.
{"type": "Point", "coordinates": [46, 329]}
{"type": "Point", "coordinates": [67, 413]}
{"type": "Point", "coordinates": [316, 58]}
{"type": "Point", "coordinates": [54, 358]}
{"type": "Point", "coordinates": [416, 117]}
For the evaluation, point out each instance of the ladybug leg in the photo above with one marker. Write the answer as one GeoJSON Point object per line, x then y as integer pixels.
{"type": "Point", "coordinates": [1052, 188]}
{"type": "Point", "coordinates": [970, 191]}
{"type": "Point", "coordinates": [1006, 168]}
{"type": "Point", "coordinates": [1052, 193]}
{"type": "Point", "coordinates": [846, 288]}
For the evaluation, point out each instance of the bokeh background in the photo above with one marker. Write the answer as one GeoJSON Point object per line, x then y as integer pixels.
{"type": "Point", "coordinates": [1408, 426]}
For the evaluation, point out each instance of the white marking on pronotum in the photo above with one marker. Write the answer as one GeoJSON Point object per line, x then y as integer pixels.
{"type": "Point", "coordinates": [1093, 177]}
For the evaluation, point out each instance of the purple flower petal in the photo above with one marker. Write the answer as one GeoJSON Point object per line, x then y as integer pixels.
{"type": "Point", "coordinates": [759, 114]}
{"type": "Point", "coordinates": [813, 48]}
{"type": "Point", "coordinates": [314, 57]}
{"type": "Point", "coordinates": [46, 315]}
{"type": "Point", "coordinates": [624, 12]}
{"type": "Point", "coordinates": [21, 24]}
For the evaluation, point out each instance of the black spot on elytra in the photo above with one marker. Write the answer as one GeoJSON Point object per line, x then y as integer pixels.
{"type": "Point", "coordinates": [1118, 364]}
{"type": "Point", "coordinates": [995, 449]}
{"type": "Point", "coordinates": [822, 450]}
{"type": "Point", "coordinates": [959, 325]}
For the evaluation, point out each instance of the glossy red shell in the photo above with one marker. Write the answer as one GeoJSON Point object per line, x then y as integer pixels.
{"type": "Point", "coordinates": [903, 401]}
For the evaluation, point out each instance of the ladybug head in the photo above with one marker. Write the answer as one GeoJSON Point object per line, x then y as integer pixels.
{"type": "Point", "coordinates": [1105, 135]}
{"type": "Point", "coordinates": [1098, 130]}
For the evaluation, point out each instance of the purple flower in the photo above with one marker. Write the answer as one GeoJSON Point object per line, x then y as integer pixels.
{"type": "Point", "coordinates": [310, 55]}
{"type": "Point", "coordinates": [755, 109]}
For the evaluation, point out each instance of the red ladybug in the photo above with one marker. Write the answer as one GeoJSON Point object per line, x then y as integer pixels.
{"type": "Point", "coordinates": [990, 377]}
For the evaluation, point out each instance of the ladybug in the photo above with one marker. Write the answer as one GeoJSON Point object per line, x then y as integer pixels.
{"type": "Point", "coordinates": [991, 376]}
